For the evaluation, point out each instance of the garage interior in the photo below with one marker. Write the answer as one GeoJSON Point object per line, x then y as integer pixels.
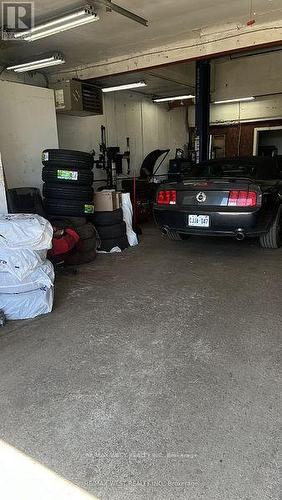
{"type": "Point", "coordinates": [156, 375]}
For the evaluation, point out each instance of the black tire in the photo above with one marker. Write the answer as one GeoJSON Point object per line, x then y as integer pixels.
{"type": "Point", "coordinates": [55, 175]}
{"type": "Point", "coordinates": [76, 258]}
{"type": "Point", "coordinates": [76, 223]}
{"type": "Point", "coordinates": [86, 245]}
{"type": "Point", "coordinates": [108, 218]}
{"type": "Point", "coordinates": [107, 245]}
{"type": "Point", "coordinates": [67, 158]}
{"type": "Point", "coordinates": [273, 237]}
{"type": "Point", "coordinates": [68, 192]}
{"type": "Point", "coordinates": [112, 232]}
{"type": "Point", "coordinates": [75, 208]}
{"type": "Point", "coordinates": [87, 231]}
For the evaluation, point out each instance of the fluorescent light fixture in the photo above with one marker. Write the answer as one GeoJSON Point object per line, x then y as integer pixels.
{"type": "Point", "coordinates": [177, 98]}
{"type": "Point", "coordinates": [34, 67]}
{"type": "Point", "coordinates": [128, 86]}
{"type": "Point", "coordinates": [239, 99]}
{"type": "Point", "coordinates": [72, 20]}
{"type": "Point", "coordinates": [38, 64]}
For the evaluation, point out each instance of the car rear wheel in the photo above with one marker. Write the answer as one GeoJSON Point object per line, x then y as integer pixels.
{"type": "Point", "coordinates": [273, 237]}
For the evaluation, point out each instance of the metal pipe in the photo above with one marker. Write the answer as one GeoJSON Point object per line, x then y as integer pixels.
{"type": "Point", "coordinates": [124, 12]}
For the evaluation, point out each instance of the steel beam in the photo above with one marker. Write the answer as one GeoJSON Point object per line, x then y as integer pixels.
{"type": "Point", "coordinates": [200, 46]}
{"type": "Point", "coordinates": [202, 109]}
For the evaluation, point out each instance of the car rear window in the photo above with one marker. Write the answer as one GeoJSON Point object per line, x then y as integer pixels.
{"type": "Point", "coordinates": [264, 169]}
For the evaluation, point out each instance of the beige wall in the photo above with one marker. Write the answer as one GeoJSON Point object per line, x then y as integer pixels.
{"type": "Point", "coordinates": [149, 126]}
{"type": "Point", "coordinates": [263, 108]}
{"type": "Point", "coordinates": [244, 77]}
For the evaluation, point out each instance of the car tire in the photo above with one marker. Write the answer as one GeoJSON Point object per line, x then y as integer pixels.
{"type": "Point", "coordinates": [107, 244]}
{"type": "Point", "coordinates": [108, 218]}
{"type": "Point", "coordinates": [67, 158]}
{"type": "Point", "coordinates": [68, 192]}
{"type": "Point", "coordinates": [75, 208]}
{"type": "Point", "coordinates": [86, 245]}
{"type": "Point", "coordinates": [80, 177]}
{"type": "Point", "coordinates": [87, 231]}
{"type": "Point", "coordinates": [273, 237]}
{"type": "Point", "coordinates": [112, 232]}
{"type": "Point", "coordinates": [62, 222]}
{"type": "Point", "coordinates": [76, 258]}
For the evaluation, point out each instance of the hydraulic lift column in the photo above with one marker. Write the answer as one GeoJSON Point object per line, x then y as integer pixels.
{"type": "Point", "coordinates": [202, 110]}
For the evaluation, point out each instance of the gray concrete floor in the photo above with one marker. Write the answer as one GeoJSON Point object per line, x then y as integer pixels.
{"type": "Point", "coordinates": [156, 376]}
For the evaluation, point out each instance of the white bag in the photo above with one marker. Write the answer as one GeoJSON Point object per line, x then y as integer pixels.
{"type": "Point", "coordinates": [27, 304]}
{"type": "Point", "coordinates": [20, 263]}
{"type": "Point", "coordinates": [127, 217]}
{"type": "Point", "coordinates": [43, 276]}
{"type": "Point", "coordinates": [22, 231]}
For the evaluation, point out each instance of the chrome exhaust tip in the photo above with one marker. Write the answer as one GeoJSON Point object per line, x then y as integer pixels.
{"type": "Point", "coordinates": [240, 235]}
{"type": "Point", "coordinates": [164, 231]}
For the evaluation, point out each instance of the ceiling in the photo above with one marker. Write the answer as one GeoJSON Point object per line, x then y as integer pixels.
{"type": "Point", "coordinates": [176, 79]}
{"type": "Point", "coordinates": [117, 36]}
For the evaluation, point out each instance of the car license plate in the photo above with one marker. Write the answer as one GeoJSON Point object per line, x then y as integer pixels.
{"type": "Point", "coordinates": [198, 220]}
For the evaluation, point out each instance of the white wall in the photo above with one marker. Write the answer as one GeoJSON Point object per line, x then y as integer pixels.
{"type": "Point", "coordinates": [259, 76]}
{"type": "Point", "coordinates": [247, 76]}
{"type": "Point", "coordinates": [28, 125]}
{"type": "Point", "coordinates": [263, 108]}
{"type": "Point", "coordinates": [149, 126]}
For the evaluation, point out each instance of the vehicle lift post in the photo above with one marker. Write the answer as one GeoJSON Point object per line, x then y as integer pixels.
{"type": "Point", "coordinates": [202, 110]}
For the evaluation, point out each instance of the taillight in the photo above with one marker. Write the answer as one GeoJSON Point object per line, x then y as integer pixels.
{"type": "Point", "coordinates": [167, 197]}
{"type": "Point", "coordinates": [242, 199]}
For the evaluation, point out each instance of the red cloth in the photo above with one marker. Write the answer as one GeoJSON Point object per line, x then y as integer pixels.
{"type": "Point", "coordinates": [65, 243]}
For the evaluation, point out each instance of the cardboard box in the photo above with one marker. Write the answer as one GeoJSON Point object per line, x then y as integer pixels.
{"type": "Point", "coordinates": [118, 199]}
{"type": "Point", "coordinates": [105, 201]}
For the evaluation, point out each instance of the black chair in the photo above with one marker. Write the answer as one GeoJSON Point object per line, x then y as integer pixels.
{"type": "Point", "coordinates": [25, 200]}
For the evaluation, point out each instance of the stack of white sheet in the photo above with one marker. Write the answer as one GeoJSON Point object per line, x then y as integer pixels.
{"type": "Point", "coordinates": [26, 276]}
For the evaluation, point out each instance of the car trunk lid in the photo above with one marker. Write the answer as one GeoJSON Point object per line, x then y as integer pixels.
{"type": "Point", "coordinates": [221, 192]}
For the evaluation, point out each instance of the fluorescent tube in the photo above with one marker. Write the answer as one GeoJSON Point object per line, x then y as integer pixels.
{"type": "Point", "coordinates": [125, 87]}
{"type": "Point", "coordinates": [48, 24]}
{"type": "Point", "coordinates": [37, 64]}
{"type": "Point", "coordinates": [239, 99]}
{"type": "Point", "coordinates": [72, 20]}
{"type": "Point", "coordinates": [39, 61]}
{"type": "Point", "coordinates": [176, 98]}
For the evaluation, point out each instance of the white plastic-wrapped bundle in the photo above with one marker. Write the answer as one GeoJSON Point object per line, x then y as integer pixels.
{"type": "Point", "coordinates": [26, 277]}
{"type": "Point", "coordinates": [20, 263]}
{"type": "Point", "coordinates": [127, 217]}
{"type": "Point", "coordinates": [25, 231]}
{"type": "Point", "coordinates": [27, 304]}
{"type": "Point", "coordinates": [42, 276]}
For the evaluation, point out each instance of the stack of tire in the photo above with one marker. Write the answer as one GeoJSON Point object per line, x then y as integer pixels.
{"type": "Point", "coordinates": [85, 250]}
{"type": "Point", "coordinates": [68, 179]}
{"type": "Point", "coordinates": [111, 229]}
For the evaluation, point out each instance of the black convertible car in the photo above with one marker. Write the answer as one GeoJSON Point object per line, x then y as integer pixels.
{"type": "Point", "coordinates": [228, 197]}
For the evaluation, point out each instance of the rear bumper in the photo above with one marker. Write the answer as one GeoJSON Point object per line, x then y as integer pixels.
{"type": "Point", "coordinates": [221, 223]}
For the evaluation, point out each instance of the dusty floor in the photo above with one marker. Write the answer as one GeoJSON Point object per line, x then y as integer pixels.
{"type": "Point", "coordinates": [156, 376]}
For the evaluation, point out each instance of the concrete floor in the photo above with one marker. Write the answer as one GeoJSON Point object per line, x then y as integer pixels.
{"type": "Point", "coordinates": [156, 376]}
